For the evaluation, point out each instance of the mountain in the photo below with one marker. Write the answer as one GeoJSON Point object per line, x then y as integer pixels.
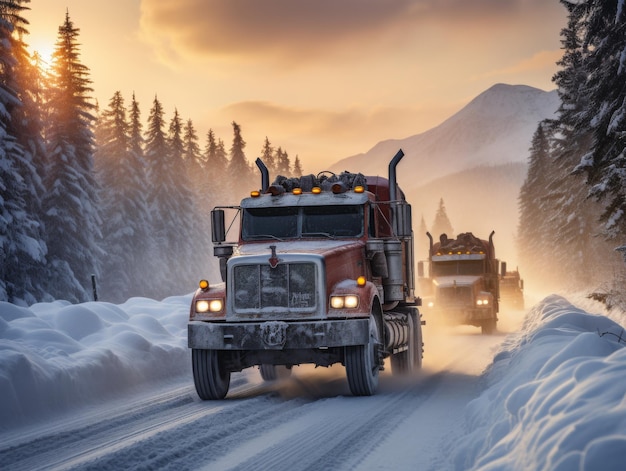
{"type": "Point", "coordinates": [496, 127]}
{"type": "Point", "coordinates": [476, 161]}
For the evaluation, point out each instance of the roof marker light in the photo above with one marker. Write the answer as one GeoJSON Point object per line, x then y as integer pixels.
{"type": "Point", "coordinates": [297, 191]}
{"type": "Point", "coordinates": [359, 189]}
{"type": "Point", "coordinates": [316, 190]}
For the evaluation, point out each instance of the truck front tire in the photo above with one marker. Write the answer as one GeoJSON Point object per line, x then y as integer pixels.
{"type": "Point", "coordinates": [362, 363]}
{"type": "Point", "coordinates": [209, 375]}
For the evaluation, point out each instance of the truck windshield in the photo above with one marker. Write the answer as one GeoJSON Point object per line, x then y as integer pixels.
{"type": "Point", "coordinates": [451, 268]}
{"type": "Point", "coordinates": [307, 221]}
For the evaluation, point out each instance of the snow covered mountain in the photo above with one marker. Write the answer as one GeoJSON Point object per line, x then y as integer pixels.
{"type": "Point", "coordinates": [495, 128]}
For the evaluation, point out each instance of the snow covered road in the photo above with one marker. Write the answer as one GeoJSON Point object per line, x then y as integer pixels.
{"type": "Point", "coordinates": [308, 421]}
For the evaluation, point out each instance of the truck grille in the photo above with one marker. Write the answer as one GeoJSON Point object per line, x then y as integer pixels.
{"type": "Point", "coordinates": [455, 296]}
{"type": "Point", "coordinates": [289, 286]}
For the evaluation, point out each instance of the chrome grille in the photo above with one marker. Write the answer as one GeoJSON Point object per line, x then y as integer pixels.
{"type": "Point", "coordinates": [455, 296]}
{"type": "Point", "coordinates": [288, 286]}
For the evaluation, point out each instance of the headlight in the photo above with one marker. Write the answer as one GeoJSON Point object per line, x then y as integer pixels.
{"type": "Point", "coordinates": [431, 304]}
{"type": "Point", "coordinates": [482, 302]}
{"type": "Point", "coordinates": [350, 301]}
{"type": "Point", "coordinates": [216, 305]}
{"type": "Point", "coordinates": [202, 306]}
{"type": "Point", "coordinates": [212, 305]}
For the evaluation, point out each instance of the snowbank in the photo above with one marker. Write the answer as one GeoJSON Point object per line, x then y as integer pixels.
{"type": "Point", "coordinates": [555, 396]}
{"type": "Point", "coordinates": [54, 356]}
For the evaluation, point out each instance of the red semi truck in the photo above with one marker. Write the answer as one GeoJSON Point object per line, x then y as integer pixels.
{"type": "Point", "coordinates": [322, 273]}
{"type": "Point", "coordinates": [463, 284]}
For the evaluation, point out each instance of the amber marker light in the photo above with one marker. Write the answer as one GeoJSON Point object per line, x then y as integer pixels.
{"type": "Point", "coordinates": [359, 189]}
{"type": "Point", "coordinates": [360, 281]}
{"type": "Point", "coordinates": [297, 191]}
{"type": "Point", "coordinates": [204, 285]}
{"type": "Point", "coordinates": [255, 193]}
{"type": "Point", "coordinates": [316, 190]}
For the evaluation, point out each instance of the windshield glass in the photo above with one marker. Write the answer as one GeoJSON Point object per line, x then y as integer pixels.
{"type": "Point", "coordinates": [270, 223]}
{"type": "Point", "coordinates": [335, 221]}
{"type": "Point", "coordinates": [307, 221]}
{"type": "Point", "coordinates": [451, 268]}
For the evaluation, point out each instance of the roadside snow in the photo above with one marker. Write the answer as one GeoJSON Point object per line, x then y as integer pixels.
{"type": "Point", "coordinates": [55, 356]}
{"type": "Point", "coordinates": [553, 398]}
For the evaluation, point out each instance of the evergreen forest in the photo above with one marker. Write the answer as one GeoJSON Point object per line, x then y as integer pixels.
{"type": "Point", "coordinates": [120, 195]}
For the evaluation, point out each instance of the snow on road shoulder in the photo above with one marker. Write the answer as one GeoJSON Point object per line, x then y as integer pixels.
{"type": "Point", "coordinates": [554, 397]}
{"type": "Point", "coordinates": [54, 356]}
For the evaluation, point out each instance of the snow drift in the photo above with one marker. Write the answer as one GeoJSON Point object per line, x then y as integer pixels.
{"type": "Point", "coordinates": [555, 396]}
{"type": "Point", "coordinates": [57, 355]}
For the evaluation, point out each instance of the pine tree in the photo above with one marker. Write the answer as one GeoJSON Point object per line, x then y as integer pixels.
{"type": "Point", "coordinates": [282, 162]}
{"type": "Point", "coordinates": [297, 167]}
{"type": "Point", "coordinates": [123, 205]}
{"type": "Point", "coordinates": [238, 168]}
{"type": "Point", "coordinates": [605, 117]}
{"type": "Point", "coordinates": [534, 236]}
{"type": "Point", "coordinates": [441, 224]}
{"type": "Point", "coordinates": [22, 248]}
{"type": "Point", "coordinates": [216, 167]}
{"type": "Point", "coordinates": [71, 217]}
{"type": "Point", "coordinates": [267, 156]}
{"type": "Point", "coordinates": [571, 218]}
{"type": "Point", "coordinates": [171, 205]}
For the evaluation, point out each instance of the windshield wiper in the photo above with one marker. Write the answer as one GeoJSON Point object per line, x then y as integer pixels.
{"type": "Point", "coordinates": [263, 236]}
{"type": "Point", "coordinates": [318, 234]}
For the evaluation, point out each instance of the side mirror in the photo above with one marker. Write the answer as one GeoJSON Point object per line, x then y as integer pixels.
{"type": "Point", "coordinates": [218, 227]}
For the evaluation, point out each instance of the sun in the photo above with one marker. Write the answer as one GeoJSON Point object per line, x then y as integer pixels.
{"type": "Point", "coordinates": [42, 54]}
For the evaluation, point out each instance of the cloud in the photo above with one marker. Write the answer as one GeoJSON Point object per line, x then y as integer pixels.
{"type": "Point", "coordinates": [540, 61]}
{"type": "Point", "coordinates": [301, 30]}
{"type": "Point", "coordinates": [316, 132]}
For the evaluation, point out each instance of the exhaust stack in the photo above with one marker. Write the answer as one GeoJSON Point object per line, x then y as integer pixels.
{"type": "Point", "coordinates": [265, 174]}
{"type": "Point", "coordinates": [392, 174]}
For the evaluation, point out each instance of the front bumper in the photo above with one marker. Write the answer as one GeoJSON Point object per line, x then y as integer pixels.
{"type": "Point", "coordinates": [277, 335]}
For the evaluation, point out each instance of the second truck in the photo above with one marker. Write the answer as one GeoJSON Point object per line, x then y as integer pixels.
{"type": "Point", "coordinates": [463, 285]}
{"type": "Point", "coordinates": [321, 273]}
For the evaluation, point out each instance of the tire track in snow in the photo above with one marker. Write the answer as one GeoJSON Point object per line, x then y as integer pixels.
{"type": "Point", "coordinates": [79, 441]}
{"type": "Point", "coordinates": [330, 433]}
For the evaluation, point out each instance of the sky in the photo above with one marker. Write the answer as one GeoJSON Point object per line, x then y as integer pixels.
{"type": "Point", "coordinates": [323, 80]}
{"type": "Point", "coordinates": [550, 398]}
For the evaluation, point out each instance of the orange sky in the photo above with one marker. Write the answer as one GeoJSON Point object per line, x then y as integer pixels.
{"type": "Point", "coordinates": [324, 79]}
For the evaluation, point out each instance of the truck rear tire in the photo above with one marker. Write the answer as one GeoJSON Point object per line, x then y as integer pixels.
{"type": "Point", "coordinates": [408, 361]}
{"type": "Point", "coordinates": [488, 326]}
{"type": "Point", "coordinates": [362, 363]}
{"type": "Point", "coordinates": [274, 372]}
{"type": "Point", "coordinates": [209, 375]}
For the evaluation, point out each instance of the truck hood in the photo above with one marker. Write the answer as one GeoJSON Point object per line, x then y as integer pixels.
{"type": "Point", "coordinates": [459, 280]}
{"type": "Point", "coordinates": [304, 246]}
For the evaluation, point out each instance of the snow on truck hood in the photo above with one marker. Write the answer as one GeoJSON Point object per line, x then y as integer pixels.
{"type": "Point", "coordinates": [459, 280]}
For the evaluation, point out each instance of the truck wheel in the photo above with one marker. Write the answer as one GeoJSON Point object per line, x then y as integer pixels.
{"type": "Point", "coordinates": [419, 342]}
{"type": "Point", "coordinates": [209, 375]}
{"type": "Point", "coordinates": [274, 372]}
{"type": "Point", "coordinates": [488, 326]}
{"type": "Point", "coordinates": [409, 360]}
{"type": "Point", "coordinates": [362, 363]}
